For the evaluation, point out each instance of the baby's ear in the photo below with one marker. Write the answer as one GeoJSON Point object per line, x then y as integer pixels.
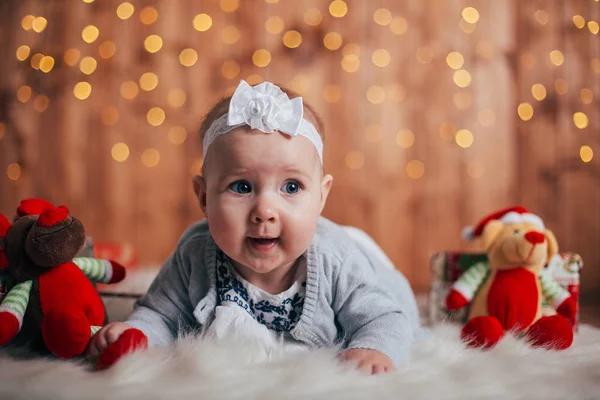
{"type": "Point", "coordinates": [490, 233]}
{"type": "Point", "coordinates": [326, 183]}
{"type": "Point", "coordinates": [199, 185]}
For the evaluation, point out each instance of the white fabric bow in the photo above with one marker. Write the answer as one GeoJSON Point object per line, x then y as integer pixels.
{"type": "Point", "coordinates": [265, 107]}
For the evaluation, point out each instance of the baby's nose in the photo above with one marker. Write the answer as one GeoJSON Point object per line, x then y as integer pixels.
{"type": "Point", "coordinates": [534, 237]}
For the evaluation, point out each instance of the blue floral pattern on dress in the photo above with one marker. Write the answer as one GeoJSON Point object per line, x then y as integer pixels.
{"type": "Point", "coordinates": [278, 317]}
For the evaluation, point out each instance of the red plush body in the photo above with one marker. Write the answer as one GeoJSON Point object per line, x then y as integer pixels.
{"type": "Point", "coordinates": [513, 298]}
{"type": "Point", "coordinates": [70, 306]}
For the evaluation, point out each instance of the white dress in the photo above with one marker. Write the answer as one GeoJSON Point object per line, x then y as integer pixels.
{"type": "Point", "coordinates": [248, 314]}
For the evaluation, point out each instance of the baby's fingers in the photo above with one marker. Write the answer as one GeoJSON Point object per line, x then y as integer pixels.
{"type": "Point", "coordinates": [97, 343]}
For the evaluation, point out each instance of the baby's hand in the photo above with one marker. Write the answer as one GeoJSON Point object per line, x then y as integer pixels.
{"type": "Point", "coordinates": [105, 336]}
{"type": "Point", "coordinates": [370, 361]}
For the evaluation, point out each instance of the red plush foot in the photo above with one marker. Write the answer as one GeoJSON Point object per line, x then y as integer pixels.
{"type": "Point", "coordinates": [66, 331]}
{"type": "Point", "coordinates": [554, 332]}
{"type": "Point", "coordinates": [9, 327]}
{"type": "Point", "coordinates": [130, 340]}
{"type": "Point", "coordinates": [483, 332]}
{"type": "Point", "coordinates": [455, 300]}
{"type": "Point", "coordinates": [568, 309]}
{"type": "Point", "coordinates": [118, 272]}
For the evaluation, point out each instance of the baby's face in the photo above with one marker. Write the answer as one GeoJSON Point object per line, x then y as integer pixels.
{"type": "Point", "coordinates": [262, 195]}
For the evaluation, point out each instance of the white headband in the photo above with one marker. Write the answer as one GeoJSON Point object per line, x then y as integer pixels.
{"type": "Point", "coordinates": [267, 108]}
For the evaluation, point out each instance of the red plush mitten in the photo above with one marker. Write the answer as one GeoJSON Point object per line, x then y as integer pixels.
{"type": "Point", "coordinates": [568, 309]}
{"type": "Point", "coordinates": [9, 327]}
{"type": "Point", "coordinates": [455, 300]}
{"type": "Point", "coordinates": [129, 341]}
{"type": "Point", "coordinates": [118, 272]}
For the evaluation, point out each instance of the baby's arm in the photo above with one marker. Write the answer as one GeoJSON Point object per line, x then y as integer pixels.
{"type": "Point", "coordinates": [370, 316]}
{"type": "Point", "coordinates": [166, 306]}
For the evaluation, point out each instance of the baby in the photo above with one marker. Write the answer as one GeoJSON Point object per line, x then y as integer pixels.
{"type": "Point", "coordinates": [264, 265]}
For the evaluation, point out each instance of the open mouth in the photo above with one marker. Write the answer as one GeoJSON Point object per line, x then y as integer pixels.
{"type": "Point", "coordinates": [263, 244]}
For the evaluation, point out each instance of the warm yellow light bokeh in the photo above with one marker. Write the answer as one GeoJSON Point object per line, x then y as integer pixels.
{"type": "Point", "coordinates": [82, 90]}
{"type": "Point", "coordinates": [292, 39]}
{"type": "Point", "coordinates": [188, 57]}
{"type": "Point", "coordinates": [261, 58]}
{"type": "Point", "coordinates": [525, 111]}
{"type": "Point", "coordinates": [332, 41]}
{"type": "Point", "coordinates": [155, 116]}
{"type": "Point", "coordinates": [202, 22]}
{"type": "Point", "coordinates": [90, 33]}
{"type": "Point", "coordinates": [120, 152]}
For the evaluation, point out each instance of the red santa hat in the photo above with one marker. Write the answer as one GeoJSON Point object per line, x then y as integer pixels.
{"type": "Point", "coordinates": [510, 215]}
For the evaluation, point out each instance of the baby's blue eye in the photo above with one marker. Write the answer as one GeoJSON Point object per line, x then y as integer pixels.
{"type": "Point", "coordinates": [240, 187]}
{"type": "Point", "coordinates": [291, 187]}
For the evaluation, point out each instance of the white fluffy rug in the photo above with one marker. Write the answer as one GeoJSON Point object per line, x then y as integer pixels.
{"type": "Point", "coordinates": [441, 369]}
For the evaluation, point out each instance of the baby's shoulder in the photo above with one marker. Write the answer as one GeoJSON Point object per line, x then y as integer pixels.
{"type": "Point", "coordinates": [333, 240]}
{"type": "Point", "coordinates": [194, 238]}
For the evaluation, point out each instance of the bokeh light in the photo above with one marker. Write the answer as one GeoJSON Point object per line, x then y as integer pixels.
{"type": "Point", "coordinates": [355, 160]}
{"type": "Point", "coordinates": [153, 43]}
{"type": "Point", "coordinates": [313, 17]}
{"type": "Point", "coordinates": [176, 98]}
{"type": "Point", "coordinates": [150, 157]}
{"type": "Point", "coordinates": [177, 135]}
{"type": "Point", "coordinates": [230, 69]}
{"type": "Point", "coordinates": [125, 10]}
{"type": "Point", "coordinates": [415, 169]}
{"type": "Point", "coordinates": [148, 81]}
{"type": "Point", "coordinates": [13, 171]}
{"type": "Point", "coordinates": [90, 33]}
{"type": "Point", "coordinates": [82, 90]}
{"type": "Point", "coordinates": [338, 8]}
{"type": "Point", "coordinates": [455, 60]}
{"type": "Point", "coordinates": [580, 120]}
{"type": "Point", "coordinates": [109, 116]}
{"type": "Point", "coordinates": [464, 138]}
{"type": "Point", "coordinates": [274, 25]}
{"type": "Point", "coordinates": [525, 111]}
{"type": "Point", "coordinates": [148, 15]}
{"type": "Point", "coordinates": [382, 16]}
{"type": "Point", "coordinates": [375, 94]}
{"type": "Point", "coordinates": [120, 152]}
{"type": "Point", "coordinates": [538, 91]}
{"type": "Point", "coordinates": [202, 22]}
{"type": "Point", "coordinates": [88, 65]}
{"type": "Point", "coordinates": [462, 78]}
{"type": "Point", "coordinates": [188, 57]}
{"type": "Point", "coordinates": [405, 138]}
{"type": "Point", "coordinates": [292, 39]}
{"type": "Point", "coordinates": [107, 49]}
{"type": "Point", "coordinates": [586, 153]}
{"type": "Point", "coordinates": [332, 41]}
{"type": "Point", "coordinates": [129, 90]}
{"type": "Point", "coordinates": [381, 57]}
{"type": "Point", "coordinates": [261, 58]}
{"type": "Point", "coordinates": [155, 116]}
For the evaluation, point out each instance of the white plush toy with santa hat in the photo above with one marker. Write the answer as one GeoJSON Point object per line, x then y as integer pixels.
{"type": "Point", "coordinates": [506, 293]}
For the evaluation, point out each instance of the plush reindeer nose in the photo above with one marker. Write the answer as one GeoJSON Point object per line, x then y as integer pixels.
{"type": "Point", "coordinates": [534, 237]}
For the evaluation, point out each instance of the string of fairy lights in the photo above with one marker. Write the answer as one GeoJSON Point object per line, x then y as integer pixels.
{"type": "Point", "coordinates": [352, 56]}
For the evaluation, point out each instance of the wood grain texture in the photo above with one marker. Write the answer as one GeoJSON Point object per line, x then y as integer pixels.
{"type": "Point", "coordinates": [65, 151]}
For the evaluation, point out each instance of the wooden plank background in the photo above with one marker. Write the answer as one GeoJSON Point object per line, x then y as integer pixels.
{"type": "Point", "coordinates": [413, 201]}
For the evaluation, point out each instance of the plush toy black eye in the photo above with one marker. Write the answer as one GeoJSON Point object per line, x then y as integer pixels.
{"type": "Point", "coordinates": [517, 231]}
